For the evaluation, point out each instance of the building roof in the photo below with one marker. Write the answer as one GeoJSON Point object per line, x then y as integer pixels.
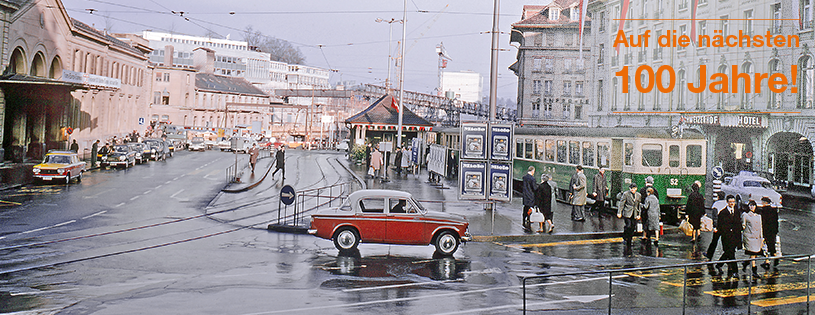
{"type": "Point", "coordinates": [540, 19]}
{"type": "Point", "coordinates": [113, 40]}
{"type": "Point", "coordinates": [383, 111]}
{"type": "Point", "coordinates": [225, 84]}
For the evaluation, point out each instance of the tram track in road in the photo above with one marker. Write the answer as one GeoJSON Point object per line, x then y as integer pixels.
{"type": "Point", "coordinates": [147, 226]}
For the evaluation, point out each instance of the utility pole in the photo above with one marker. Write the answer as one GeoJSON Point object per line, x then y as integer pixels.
{"type": "Point", "coordinates": [494, 61]}
{"type": "Point", "coordinates": [402, 77]}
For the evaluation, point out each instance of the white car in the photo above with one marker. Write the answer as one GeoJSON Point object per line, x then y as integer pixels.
{"type": "Point", "coordinates": [197, 144]}
{"type": "Point", "coordinates": [343, 145]}
{"type": "Point", "coordinates": [747, 185]}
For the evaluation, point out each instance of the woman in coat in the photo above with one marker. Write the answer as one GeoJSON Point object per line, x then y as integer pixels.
{"type": "Point", "coordinates": [405, 160]}
{"type": "Point", "coordinates": [695, 209]}
{"type": "Point", "coordinates": [580, 194]}
{"type": "Point", "coordinates": [652, 223]}
{"type": "Point", "coordinates": [543, 200]}
{"type": "Point", "coordinates": [752, 235]}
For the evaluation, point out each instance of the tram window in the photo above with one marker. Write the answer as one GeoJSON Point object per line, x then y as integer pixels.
{"type": "Point", "coordinates": [529, 149]}
{"type": "Point", "coordinates": [602, 154]}
{"type": "Point", "coordinates": [561, 151]}
{"type": "Point", "coordinates": [588, 154]}
{"type": "Point", "coordinates": [673, 156]}
{"type": "Point", "coordinates": [550, 150]}
{"type": "Point", "coordinates": [651, 155]}
{"type": "Point", "coordinates": [574, 152]}
{"type": "Point", "coordinates": [539, 149]}
{"type": "Point", "coordinates": [629, 154]}
{"type": "Point", "coordinates": [693, 155]}
{"type": "Point", "coordinates": [519, 148]}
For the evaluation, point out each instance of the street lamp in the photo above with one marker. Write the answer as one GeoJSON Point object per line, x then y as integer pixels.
{"type": "Point", "coordinates": [390, 37]}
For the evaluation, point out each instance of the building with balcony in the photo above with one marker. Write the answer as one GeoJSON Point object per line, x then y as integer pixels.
{"type": "Point", "coordinates": [552, 77]}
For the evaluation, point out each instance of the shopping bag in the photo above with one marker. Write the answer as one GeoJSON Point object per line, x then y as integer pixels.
{"type": "Point", "coordinates": [686, 227]}
{"type": "Point", "coordinates": [536, 216]}
{"type": "Point", "coordinates": [371, 171]}
{"type": "Point", "coordinates": [706, 224]}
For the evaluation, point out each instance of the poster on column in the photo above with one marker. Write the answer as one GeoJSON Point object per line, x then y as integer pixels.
{"type": "Point", "coordinates": [472, 180]}
{"type": "Point", "coordinates": [499, 180]}
{"type": "Point", "coordinates": [500, 140]}
{"type": "Point", "coordinates": [474, 141]}
{"type": "Point", "coordinates": [437, 159]}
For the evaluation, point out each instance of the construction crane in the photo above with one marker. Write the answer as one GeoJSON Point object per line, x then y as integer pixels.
{"type": "Point", "coordinates": [443, 59]}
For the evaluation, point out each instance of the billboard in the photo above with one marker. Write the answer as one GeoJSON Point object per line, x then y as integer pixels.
{"type": "Point", "coordinates": [499, 177]}
{"type": "Point", "coordinates": [500, 148]}
{"type": "Point", "coordinates": [474, 141]}
{"type": "Point", "coordinates": [472, 180]}
{"type": "Point", "coordinates": [437, 159]}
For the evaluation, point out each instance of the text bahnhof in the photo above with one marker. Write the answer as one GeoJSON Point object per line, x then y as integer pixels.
{"type": "Point", "coordinates": [670, 39]}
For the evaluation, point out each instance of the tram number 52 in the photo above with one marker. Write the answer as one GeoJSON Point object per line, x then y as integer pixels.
{"type": "Point", "coordinates": [674, 182]}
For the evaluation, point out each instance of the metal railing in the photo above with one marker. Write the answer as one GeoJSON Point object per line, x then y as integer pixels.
{"type": "Point", "coordinates": [611, 273]}
{"type": "Point", "coordinates": [310, 199]}
{"type": "Point", "coordinates": [231, 173]}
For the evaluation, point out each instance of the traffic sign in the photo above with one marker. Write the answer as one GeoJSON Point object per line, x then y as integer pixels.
{"type": "Point", "coordinates": [717, 172]}
{"type": "Point", "coordinates": [141, 121]}
{"type": "Point", "coordinates": [287, 195]}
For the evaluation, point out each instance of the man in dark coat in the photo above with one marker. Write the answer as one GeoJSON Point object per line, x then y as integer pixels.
{"type": "Point", "coordinates": [75, 146]}
{"type": "Point", "coordinates": [94, 152]}
{"type": "Point", "coordinates": [397, 161]}
{"type": "Point", "coordinates": [729, 227]}
{"type": "Point", "coordinates": [280, 161]}
{"type": "Point", "coordinates": [529, 188]}
{"type": "Point", "coordinates": [769, 225]}
{"type": "Point", "coordinates": [600, 190]}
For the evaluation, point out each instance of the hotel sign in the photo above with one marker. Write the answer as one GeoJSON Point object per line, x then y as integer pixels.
{"type": "Point", "coordinates": [712, 120]}
{"type": "Point", "coordinates": [90, 79]}
{"type": "Point", "coordinates": [727, 120]}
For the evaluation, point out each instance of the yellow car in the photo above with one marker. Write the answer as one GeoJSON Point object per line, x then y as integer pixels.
{"type": "Point", "coordinates": [60, 166]}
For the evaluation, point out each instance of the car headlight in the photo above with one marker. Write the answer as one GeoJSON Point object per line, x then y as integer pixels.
{"type": "Point", "coordinates": [61, 171]}
{"type": "Point", "coordinates": [138, 155]}
{"type": "Point", "coordinates": [122, 158]}
{"type": "Point", "coordinates": [36, 171]}
{"type": "Point", "coordinates": [153, 150]}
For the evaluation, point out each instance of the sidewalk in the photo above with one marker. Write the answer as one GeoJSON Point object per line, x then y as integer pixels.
{"type": "Point", "coordinates": [507, 223]}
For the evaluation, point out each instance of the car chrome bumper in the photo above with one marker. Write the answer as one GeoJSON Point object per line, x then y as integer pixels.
{"type": "Point", "coordinates": [467, 237]}
{"type": "Point", "coordinates": [117, 163]}
{"type": "Point", "coordinates": [49, 177]}
{"type": "Point", "coordinates": [312, 231]}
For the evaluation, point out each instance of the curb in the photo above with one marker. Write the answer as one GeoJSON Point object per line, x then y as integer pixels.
{"type": "Point", "coordinates": [553, 238]}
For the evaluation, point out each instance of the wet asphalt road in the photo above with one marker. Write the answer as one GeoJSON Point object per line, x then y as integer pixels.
{"type": "Point", "coordinates": [138, 241]}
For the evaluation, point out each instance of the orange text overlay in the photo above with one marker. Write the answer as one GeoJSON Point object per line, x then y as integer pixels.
{"type": "Point", "coordinates": [664, 79]}
{"type": "Point", "coordinates": [672, 39]}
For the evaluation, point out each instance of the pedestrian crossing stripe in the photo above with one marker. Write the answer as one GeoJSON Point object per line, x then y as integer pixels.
{"type": "Point", "coordinates": [566, 243]}
{"type": "Point", "coordinates": [783, 300]}
{"type": "Point", "coordinates": [760, 289]}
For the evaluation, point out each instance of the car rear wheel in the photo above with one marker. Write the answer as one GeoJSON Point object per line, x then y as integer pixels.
{"type": "Point", "coordinates": [68, 179]}
{"type": "Point", "coordinates": [446, 243]}
{"type": "Point", "coordinates": [346, 239]}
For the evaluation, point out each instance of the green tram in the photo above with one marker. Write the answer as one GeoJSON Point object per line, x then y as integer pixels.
{"type": "Point", "coordinates": [628, 154]}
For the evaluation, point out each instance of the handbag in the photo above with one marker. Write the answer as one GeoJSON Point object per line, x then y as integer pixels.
{"type": "Point", "coordinates": [706, 224]}
{"type": "Point", "coordinates": [536, 215]}
{"type": "Point", "coordinates": [686, 227]}
{"type": "Point", "coordinates": [371, 171]}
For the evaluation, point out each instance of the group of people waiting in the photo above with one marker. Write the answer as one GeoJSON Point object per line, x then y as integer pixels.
{"type": "Point", "coordinates": [374, 161]}
{"type": "Point", "coordinates": [541, 196]}
{"type": "Point", "coordinates": [639, 205]}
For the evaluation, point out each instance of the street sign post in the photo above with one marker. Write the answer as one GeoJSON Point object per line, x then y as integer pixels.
{"type": "Point", "coordinates": [287, 195]}
{"type": "Point", "coordinates": [717, 172]}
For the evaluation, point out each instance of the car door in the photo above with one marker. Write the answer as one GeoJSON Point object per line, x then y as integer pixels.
{"type": "Point", "coordinates": [371, 219]}
{"type": "Point", "coordinates": [405, 223]}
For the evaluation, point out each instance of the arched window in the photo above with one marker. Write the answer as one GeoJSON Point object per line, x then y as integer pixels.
{"type": "Point", "coordinates": [721, 98]}
{"type": "Point", "coordinates": [774, 100]}
{"type": "Point", "coordinates": [614, 88]}
{"type": "Point", "coordinates": [17, 61]}
{"type": "Point", "coordinates": [744, 84]}
{"type": "Point", "coordinates": [55, 72]}
{"type": "Point", "coordinates": [700, 97]}
{"type": "Point", "coordinates": [37, 66]}
{"type": "Point", "coordinates": [805, 82]}
{"type": "Point", "coordinates": [681, 99]}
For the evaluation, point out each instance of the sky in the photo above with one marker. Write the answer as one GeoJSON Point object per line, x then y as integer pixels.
{"type": "Point", "coordinates": [338, 34]}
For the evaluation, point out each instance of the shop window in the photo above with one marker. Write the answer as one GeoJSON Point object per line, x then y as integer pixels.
{"type": "Point", "coordinates": [693, 156]}
{"type": "Point", "coordinates": [603, 154]}
{"type": "Point", "coordinates": [673, 156]}
{"type": "Point", "coordinates": [561, 151]}
{"type": "Point", "coordinates": [651, 155]}
{"type": "Point", "coordinates": [550, 150]}
{"type": "Point", "coordinates": [588, 154]}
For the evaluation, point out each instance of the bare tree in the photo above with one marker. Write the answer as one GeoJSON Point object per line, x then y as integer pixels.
{"type": "Point", "coordinates": [279, 49]}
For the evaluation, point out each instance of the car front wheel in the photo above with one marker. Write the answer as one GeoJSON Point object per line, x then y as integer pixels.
{"type": "Point", "coordinates": [446, 243]}
{"type": "Point", "coordinates": [346, 239]}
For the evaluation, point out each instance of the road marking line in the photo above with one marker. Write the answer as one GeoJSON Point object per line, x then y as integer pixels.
{"type": "Point", "coordinates": [157, 187]}
{"type": "Point", "coordinates": [760, 289]}
{"type": "Point", "coordinates": [49, 227]}
{"type": "Point", "coordinates": [119, 205]}
{"type": "Point", "coordinates": [10, 202]}
{"type": "Point", "coordinates": [147, 192]}
{"type": "Point", "coordinates": [134, 198]}
{"type": "Point", "coordinates": [97, 194]}
{"type": "Point", "coordinates": [95, 214]}
{"type": "Point", "coordinates": [167, 182]}
{"type": "Point", "coordinates": [580, 242]}
{"type": "Point", "coordinates": [176, 194]}
{"type": "Point", "coordinates": [177, 178]}
{"type": "Point", "coordinates": [783, 300]}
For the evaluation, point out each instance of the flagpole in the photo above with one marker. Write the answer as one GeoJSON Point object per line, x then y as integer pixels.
{"type": "Point", "coordinates": [398, 142]}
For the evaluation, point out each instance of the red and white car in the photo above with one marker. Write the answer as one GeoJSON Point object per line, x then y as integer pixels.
{"type": "Point", "coordinates": [389, 217]}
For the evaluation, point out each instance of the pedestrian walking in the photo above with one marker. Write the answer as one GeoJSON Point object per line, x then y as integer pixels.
{"type": "Point", "coordinates": [579, 197]}
{"type": "Point", "coordinates": [543, 200]}
{"type": "Point", "coordinates": [752, 236]}
{"type": "Point", "coordinates": [652, 224]}
{"type": "Point", "coordinates": [600, 191]}
{"type": "Point", "coordinates": [649, 182]}
{"type": "Point", "coordinates": [254, 151]}
{"type": "Point", "coordinates": [280, 161]}
{"type": "Point", "coordinates": [629, 211]}
{"type": "Point", "coordinates": [529, 188]}
{"type": "Point", "coordinates": [717, 207]}
{"type": "Point", "coordinates": [769, 224]}
{"type": "Point", "coordinates": [368, 156]}
{"type": "Point", "coordinates": [75, 146]}
{"type": "Point", "coordinates": [405, 161]}
{"type": "Point", "coordinates": [695, 209]}
{"type": "Point", "coordinates": [397, 161]}
{"type": "Point", "coordinates": [376, 161]}
{"type": "Point", "coordinates": [94, 152]}
{"type": "Point", "coordinates": [729, 226]}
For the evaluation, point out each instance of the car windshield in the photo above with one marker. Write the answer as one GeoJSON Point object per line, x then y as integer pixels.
{"type": "Point", "coordinates": [121, 148]}
{"type": "Point", "coordinates": [197, 139]}
{"type": "Point", "coordinates": [58, 159]}
{"type": "Point", "coordinates": [756, 183]}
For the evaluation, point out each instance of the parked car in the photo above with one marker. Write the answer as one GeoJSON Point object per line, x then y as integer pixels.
{"type": "Point", "coordinates": [197, 144]}
{"type": "Point", "coordinates": [779, 185]}
{"type": "Point", "coordinates": [121, 155]}
{"type": "Point", "coordinates": [343, 145]}
{"type": "Point", "coordinates": [225, 145]}
{"type": "Point", "coordinates": [157, 149]}
{"type": "Point", "coordinates": [747, 185]}
{"type": "Point", "coordinates": [169, 148]}
{"type": "Point", "coordinates": [59, 165]}
{"type": "Point", "coordinates": [389, 217]}
{"type": "Point", "coordinates": [139, 149]}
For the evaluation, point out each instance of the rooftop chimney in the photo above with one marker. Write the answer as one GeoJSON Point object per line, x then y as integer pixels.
{"type": "Point", "coordinates": [203, 60]}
